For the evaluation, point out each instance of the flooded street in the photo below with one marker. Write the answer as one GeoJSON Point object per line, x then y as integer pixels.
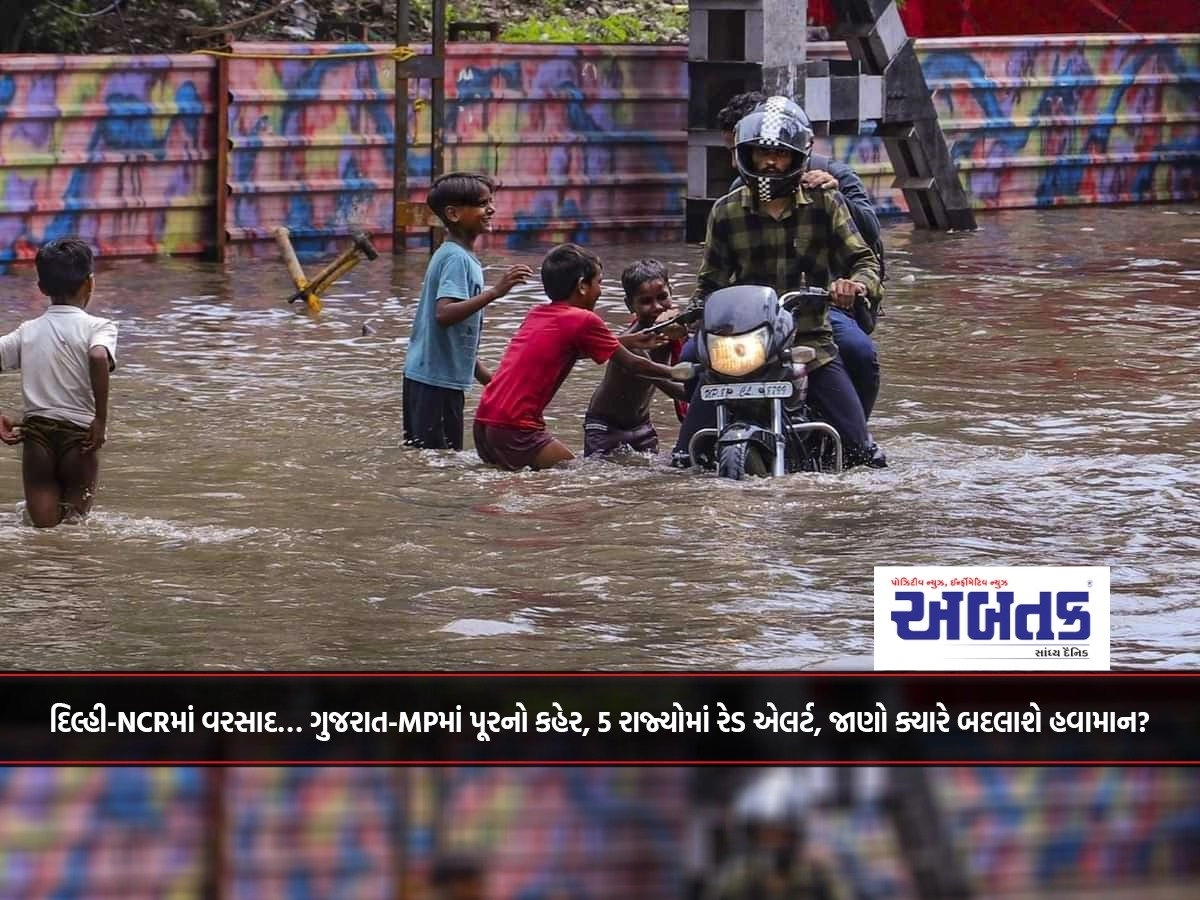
{"type": "Point", "coordinates": [256, 510]}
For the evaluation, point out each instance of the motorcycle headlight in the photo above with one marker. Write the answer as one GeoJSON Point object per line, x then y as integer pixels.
{"type": "Point", "coordinates": [739, 354]}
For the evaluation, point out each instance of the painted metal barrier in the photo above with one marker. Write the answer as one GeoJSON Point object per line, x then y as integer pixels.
{"type": "Point", "coordinates": [309, 145]}
{"type": "Point", "coordinates": [587, 141]}
{"type": "Point", "coordinates": [117, 149]}
{"type": "Point", "coordinates": [1055, 120]}
{"type": "Point", "coordinates": [96, 832]}
{"type": "Point", "coordinates": [1082, 831]}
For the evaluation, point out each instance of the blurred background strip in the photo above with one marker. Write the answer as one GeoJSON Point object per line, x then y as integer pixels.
{"type": "Point", "coordinates": [579, 833]}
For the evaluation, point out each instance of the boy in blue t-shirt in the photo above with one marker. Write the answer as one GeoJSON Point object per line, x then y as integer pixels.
{"type": "Point", "coordinates": [442, 358]}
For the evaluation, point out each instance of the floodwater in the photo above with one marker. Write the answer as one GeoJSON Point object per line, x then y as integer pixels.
{"type": "Point", "coordinates": [256, 509]}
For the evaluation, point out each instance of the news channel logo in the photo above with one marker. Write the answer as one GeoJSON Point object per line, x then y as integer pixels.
{"type": "Point", "coordinates": [992, 618]}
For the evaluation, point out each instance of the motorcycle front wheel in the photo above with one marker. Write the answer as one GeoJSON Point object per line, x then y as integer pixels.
{"type": "Point", "coordinates": [742, 460]}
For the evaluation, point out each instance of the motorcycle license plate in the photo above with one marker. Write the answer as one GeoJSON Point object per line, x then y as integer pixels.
{"type": "Point", "coordinates": [751, 391]}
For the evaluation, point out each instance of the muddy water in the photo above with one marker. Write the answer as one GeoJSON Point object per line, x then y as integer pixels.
{"type": "Point", "coordinates": [256, 509]}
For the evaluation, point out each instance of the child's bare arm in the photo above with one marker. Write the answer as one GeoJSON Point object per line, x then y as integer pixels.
{"type": "Point", "coordinates": [641, 340]}
{"type": "Point", "coordinates": [482, 374]}
{"type": "Point", "coordinates": [10, 358]}
{"type": "Point", "coordinates": [98, 367]}
{"type": "Point", "coordinates": [450, 311]}
{"type": "Point", "coordinates": [640, 365]}
{"type": "Point", "coordinates": [673, 389]}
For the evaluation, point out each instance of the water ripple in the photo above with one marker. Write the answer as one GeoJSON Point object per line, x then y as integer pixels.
{"type": "Point", "coordinates": [256, 508]}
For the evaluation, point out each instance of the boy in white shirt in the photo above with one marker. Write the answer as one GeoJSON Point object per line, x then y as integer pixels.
{"type": "Point", "coordinates": [65, 357]}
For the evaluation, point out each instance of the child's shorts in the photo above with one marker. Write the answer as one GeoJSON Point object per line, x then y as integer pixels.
{"type": "Point", "coordinates": [432, 416]}
{"type": "Point", "coordinates": [509, 448]}
{"type": "Point", "coordinates": [58, 437]}
{"type": "Point", "coordinates": [600, 437]}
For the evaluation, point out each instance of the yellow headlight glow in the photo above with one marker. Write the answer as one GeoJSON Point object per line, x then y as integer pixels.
{"type": "Point", "coordinates": [738, 354]}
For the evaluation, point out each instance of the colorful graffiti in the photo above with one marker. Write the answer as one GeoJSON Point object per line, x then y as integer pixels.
{"type": "Point", "coordinates": [117, 149]}
{"type": "Point", "coordinates": [589, 142]}
{"type": "Point", "coordinates": [76, 833]}
{"type": "Point", "coordinates": [302, 832]}
{"type": "Point", "coordinates": [1035, 829]}
{"type": "Point", "coordinates": [1052, 121]}
{"type": "Point", "coordinates": [311, 143]}
{"type": "Point", "coordinates": [590, 145]}
{"type": "Point", "coordinates": [583, 833]}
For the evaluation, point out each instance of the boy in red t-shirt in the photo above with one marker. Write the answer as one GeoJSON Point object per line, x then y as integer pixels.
{"type": "Point", "coordinates": [509, 429]}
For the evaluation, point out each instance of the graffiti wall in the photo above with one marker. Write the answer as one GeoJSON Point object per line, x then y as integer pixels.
{"type": "Point", "coordinates": [311, 143]}
{"type": "Point", "coordinates": [589, 142]}
{"type": "Point", "coordinates": [117, 149]}
{"type": "Point", "coordinates": [590, 145]}
{"type": "Point", "coordinates": [76, 833]}
{"type": "Point", "coordinates": [1039, 830]}
{"type": "Point", "coordinates": [578, 833]}
{"type": "Point", "coordinates": [1056, 120]}
{"type": "Point", "coordinates": [293, 833]}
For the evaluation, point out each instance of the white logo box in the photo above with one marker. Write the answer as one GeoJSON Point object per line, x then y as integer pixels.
{"type": "Point", "coordinates": [992, 618]}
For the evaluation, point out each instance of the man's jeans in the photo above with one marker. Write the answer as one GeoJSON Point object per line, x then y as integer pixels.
{"type": "Point", "coordinates": [858, 353]}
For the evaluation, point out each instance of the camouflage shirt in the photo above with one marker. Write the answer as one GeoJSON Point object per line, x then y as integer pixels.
{"type": "Point", "coordinates": [815, 236]}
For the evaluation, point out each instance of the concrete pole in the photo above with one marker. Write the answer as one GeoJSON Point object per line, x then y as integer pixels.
{"type": "Point", "coordinates": [784, 46]}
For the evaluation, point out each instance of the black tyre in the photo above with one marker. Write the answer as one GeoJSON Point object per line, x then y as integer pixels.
{"type": "Point", "coordinates": [742, 460]}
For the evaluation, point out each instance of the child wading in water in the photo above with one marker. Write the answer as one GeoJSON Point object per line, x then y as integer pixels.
{"type": "Point", "coordinates": [619, 413]}
{"type": "Point", "coordinates": [65, 357]}
{"type": "Point", "coordinates": [509, 429]}
{"type": "Point", "coordinates": [442, 360]}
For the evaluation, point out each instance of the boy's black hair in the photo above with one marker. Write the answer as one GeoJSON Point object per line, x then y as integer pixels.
{"type": "Point", "coordinates": [63, 265]}
{"type": "Point", "coordinates": [638, 273]}
{"type": "Point", "coordinates": [738, 107]}
{"type": "Point", "coordinates": [456, 868]}
{"type": "Point", "coordinates": [563, 268]}
{"type": "Point", "coordinates": [458, 189]}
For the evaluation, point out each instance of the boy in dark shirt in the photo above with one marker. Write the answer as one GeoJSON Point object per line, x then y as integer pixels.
{"type": "Point", "coordinates": [619, 412]}
{"type": "Point", "coordinates": [510, 431]}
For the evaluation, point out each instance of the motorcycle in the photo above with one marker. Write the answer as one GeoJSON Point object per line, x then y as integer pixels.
{"type": "Point", "coordinates": [749, 369]}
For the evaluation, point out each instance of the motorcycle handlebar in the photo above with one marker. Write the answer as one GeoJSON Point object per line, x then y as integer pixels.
{"type": "Point", "coordinates": [793, 300]}
{"type": "Point", "coordinates": [685, 318]}
{"type": "Point", "coordinates": [790, 301]}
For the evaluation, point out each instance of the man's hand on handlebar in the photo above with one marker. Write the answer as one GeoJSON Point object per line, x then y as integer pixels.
{"type": "Point", "coordinates": [843, 292]}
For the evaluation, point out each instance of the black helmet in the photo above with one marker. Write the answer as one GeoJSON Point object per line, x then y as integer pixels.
{"type": "Point", "coordinates": [779, 122]}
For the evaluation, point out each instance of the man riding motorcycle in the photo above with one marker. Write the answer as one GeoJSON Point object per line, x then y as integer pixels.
{"type": "Point", "coordinates": [772, 231]}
